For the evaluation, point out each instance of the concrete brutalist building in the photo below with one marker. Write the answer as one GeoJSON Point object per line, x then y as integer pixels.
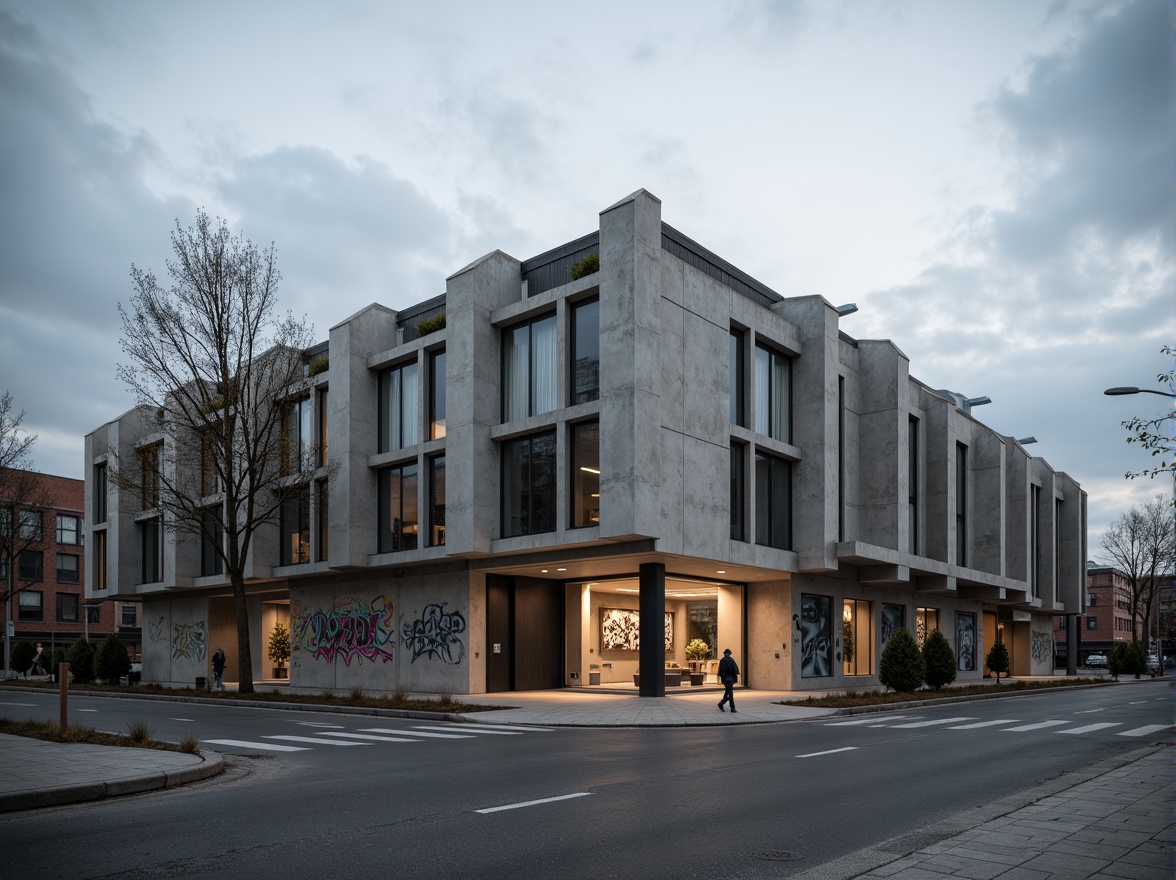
{"type": "Point", "coordinates": [572, 481]}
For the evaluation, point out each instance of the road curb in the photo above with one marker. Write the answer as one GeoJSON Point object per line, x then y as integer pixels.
{"type": "Point", "coordinates": [211, 764]}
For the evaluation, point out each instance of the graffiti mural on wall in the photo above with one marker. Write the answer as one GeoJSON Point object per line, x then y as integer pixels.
{"type": "Point", "coordinates": [620, 629]}
{"type": "Point", "coordinates": [892, 621]}
{"type": "Point", "coordinates": [352, 628]}
{"type": "Point", "coordinates": [1041, 647]}
{"type": "Point", "coordinates": [156, 631]}
{"type": "Point", "coordinates": [190, 641]}
{"type": "Point", "coordinates": [816, 636]}
{"type": "Point", "coordinates": [965, 641]}
{"type": "Point", "coordinates": [435, 635]}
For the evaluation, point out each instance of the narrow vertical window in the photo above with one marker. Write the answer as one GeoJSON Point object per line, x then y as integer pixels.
{"type": "Point", "coordinates": [209, 469]}
{"type": "Point", "coordinates": [1057, 547]}
{"type": "Point", "coordinates": [586, 351]}
{"type": "Point", "coordinates": [772, 488]}
{"type": "Point", "coordinates": [738, 494]}
{"type": "Point", "coordinates": [151, 532]}
{"type": "Point", "coordinates": [99, 496]}
{"type": "Point", "coordinates": [528, 485]}
{"type": "Point", "coordinates": [736, 384]}
{"type": "Point", "coordinates": [840, 458]}
{"type": "Point", "coordinates": [398, 521]}
{"type": "Point", "coordinates": [773, 375]}
{"type": "Point", "coordinates": [211, 542]}
{"type": "Point", "coordinates": [296, 437]}
{"type": "Point", "coordinates": [437, 500]}
{"type": "Point", "coordinates": [323, 505]}
{"type": "Point", "coordinates": [1035, 542]}
{"type": "Point", "coordinates": [437, 395]}
{"type": "Point", "coordinates": [100, 560]}
{"type": "Point", "coordinates": [295, 526]}
{"type": "Point", "coordinates": [398, 408]}
{"type": "Point", "coordinates": [585, 474]}
{"type": "Point", "coordinates": [961, 504]}
{"type": "Point", "coordinates": [321, 456]}
{"type": "Point", "coordinates": [913, 484]}
{"type": "Point", "coordinates": [529, 369]}
{"type": "Point", "coordinates": [857, 637]}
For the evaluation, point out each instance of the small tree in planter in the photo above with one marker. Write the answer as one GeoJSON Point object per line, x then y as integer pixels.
{"type": "Point", "coordinates": [697, 650]}
{"type": "Point", "coordinates": [998, 659]}
{"type": "Point", "coordinates": [939, 659]}
{"type": "Point", "coordinates": [902, 668]}
{"type": "Point", "coordinates": [1135, 660]}
{"type": "Point", "coordinates": [279, 649]}
{"type": "Point", "coordinates": [112, 662]}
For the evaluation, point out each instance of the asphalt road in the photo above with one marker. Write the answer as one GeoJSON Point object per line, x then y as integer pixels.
{"type": "Point", "coordinates": [750, 801]}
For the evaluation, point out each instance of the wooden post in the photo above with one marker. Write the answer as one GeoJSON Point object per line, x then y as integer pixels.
{"type": "Point", "coordinates": [63, 689]}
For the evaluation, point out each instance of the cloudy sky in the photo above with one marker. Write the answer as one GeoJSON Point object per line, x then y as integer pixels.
{"type": "Point", "coordinates": [991, 181]}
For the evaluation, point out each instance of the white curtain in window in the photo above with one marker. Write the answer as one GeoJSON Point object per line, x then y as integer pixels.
{"type": "Point", "coordinates": [763, 407]}
{"type": "Point", "coordinates": [392, 407]}
{"type": "Point", "coordinates": [543, 347]}
{"type": "Point", "coordinates": [410, 423]}
{"type": "Point", "coordinates": [780, 379]}
{"type": "Point", "coordinates": [516, 361]}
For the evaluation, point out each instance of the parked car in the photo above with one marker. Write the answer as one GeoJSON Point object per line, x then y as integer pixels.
{"type": "Point", "coordinates": [1096, 661]}
{"type": "Point", "coordinates": [135, 676]}
{"type": "Point", "coordinates": [1153, 665]}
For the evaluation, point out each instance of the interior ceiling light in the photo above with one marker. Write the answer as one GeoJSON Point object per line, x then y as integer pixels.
{"type": "Point", "coordinates": [561, 569]}
{"type": "Point", "coordinates": [590, 470]}
{"type": "Point", "coordinates": [721, 571]}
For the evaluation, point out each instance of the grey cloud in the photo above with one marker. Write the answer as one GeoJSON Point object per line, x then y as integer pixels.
{"type": "Point", "coordinates": [771, 19]}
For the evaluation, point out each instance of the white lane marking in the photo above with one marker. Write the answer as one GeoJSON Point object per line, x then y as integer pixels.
{"type": "Point", "coordinates": [504, 727]}
{"type": "Point", "coordinates": [320, 724]}
{"type": "Point", "coordinates": [472, 732]}
{"type": "Point", "coordinates": [242, 744]}
{"type": "Point", "coordinates": [311, 739]}
{"type": "Point", "coordinates": [1138, 702]}
{"type": "Point", "coordinates": [1145, 730]}
{"type": "Point", "coordinates": [1037, 726]}
{"type": "Point", "coordinates": [18, 704]}
{"type": "Point", "coordinates": [985, 724]}
{"type": "Point", "coordinates": [1089, 711]}
{"type": "Point", "coordinates": [372, 737]}
{"type": "Point", "coordinates": [181, 719]}
{"type": "Point", "coordinates": [933, 723]}
{"type": "Point", "coordinates": [417, 733]}
{"type": "Point", "coordinates": [880, 722]}
{"type": "Point", "coordinates": [85, 710]}
{"type": "Point", "coordinates": [830, 752]}
{"type": "Point", "coordinates": [562, 797]}
{"type": "Point", "coordinates": [1089, 727]}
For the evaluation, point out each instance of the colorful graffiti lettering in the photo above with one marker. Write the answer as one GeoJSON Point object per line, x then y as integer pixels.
{"type": "Point", "coordinates": [435, 635]}
{"type": "Point", "coordinates": [190, 641]}
{"type": "Point", "coordinates": [352, 629]}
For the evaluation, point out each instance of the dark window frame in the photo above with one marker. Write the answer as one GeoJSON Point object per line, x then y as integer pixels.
{"type": "Point", "coordinates": [437, 500]}
{"type": "Point", "coordinates": [63, 600]}
{"type": "Point", "coordinates": [407, 428]}
{"type": "Point", "coordinates": [585, 476]}
{"type": "Point", "coordinates": [537, 502]}
{"type": "Point", "coordinates": [64, 531]}
{"type": "Point", "coordinates": [21, 613]}
{"type": "Point", "coordinates": [294, 525]}
{"type": "Point", "coordinates": [31, 566]}
{"type": "Point", "coordinates": [66, 576]}
{"type": "Point", "coordinates": [437, 394]}
{"type": "Point", "coordinates": [585, 319]}
{"type": "Point", "coordinates": [399, 533]}
{"type": "Point", "coordinates": [506, 367]}
{"type": "Point", "coordinates": [773, 501]}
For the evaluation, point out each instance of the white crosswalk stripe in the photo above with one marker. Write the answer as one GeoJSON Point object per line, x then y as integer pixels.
{"type": "Point", "coordinates": [980, 724]}
{"type": "Point", "coordinates": [245, 744]}
{"type": "Point", "coordinates": [908, 724]}
{"type": "Point", "coordinates": [1145, 730]}
{"type": "Point", "coordinates": [326, 734]}
{"type": "Point", "coordinates": [876, 721]}
{"type": "Point", "coordinates": [1038, 726]}
{"type": "Point", "coordinates": [1090, 727]}
{"type": "Point", "coordinates": [316, 740]}
{"type": "Point", "coordinates": [419, 733]}
{"type": "Point", "coordinates": [933, 723]}
{"type": "Point", "coordinates": [370, 737]}
{"type": "Point", "coordinates": [486, 730]}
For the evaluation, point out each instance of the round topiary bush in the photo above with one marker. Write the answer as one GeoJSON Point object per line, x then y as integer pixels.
{"type": "Point", "coordinates": [112, 661]}
{"type": "Point", "coordinates": [80, 658]}
{"type": "Point", "coordinates": [902, 668]}
{"type": "Point", "coordinates": [940, 660]}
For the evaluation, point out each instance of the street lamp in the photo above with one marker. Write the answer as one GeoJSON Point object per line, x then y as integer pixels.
{"type": "Point", "coordinates": [847, 309]}
{"type": "Point", "coordinates": [1130, 389]}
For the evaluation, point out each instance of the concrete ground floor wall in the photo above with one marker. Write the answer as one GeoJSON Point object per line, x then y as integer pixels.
{"type": "Point", "coordinates": [431, 631]}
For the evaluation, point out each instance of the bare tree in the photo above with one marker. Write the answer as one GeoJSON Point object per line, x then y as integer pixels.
{"type": "Point", "coordinates": [1141, 543]}
{"type": "Point", "coordinates": [217, 368]}
{"type": "Point", "coordinates": [23, 499]}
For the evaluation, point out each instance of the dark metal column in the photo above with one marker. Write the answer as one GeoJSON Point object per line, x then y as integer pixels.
{"type": "Point", "coordinates": [1072, 644]}
{"type": "Point", "coordinates": [651, 658]}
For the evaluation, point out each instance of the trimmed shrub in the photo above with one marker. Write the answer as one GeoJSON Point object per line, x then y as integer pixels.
{"type": "Point", "coordinates": [1135, 659]}
{"type": "Point", "coordinates": [430, 325]}
{"type": "Point", "coordinates": [902, 668]}
{"type": "Point", "coordinates": [586, 266]}
{"type": "Point", "coordinates": [998, 660]}
{"type": "Point", "coordinates": [320, 364]}
{"type": "Point", "coordinates": [939, 659]}
{"type": "Point", "coordinates": [112, 661]}
{"type": "Point", "coordinates": [21, 656]}
{"type": "Point", "coordinates": [80, 658]}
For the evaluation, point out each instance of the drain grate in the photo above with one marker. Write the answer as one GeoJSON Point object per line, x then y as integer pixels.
{"type": "Point", "coordinates": [778, 855]}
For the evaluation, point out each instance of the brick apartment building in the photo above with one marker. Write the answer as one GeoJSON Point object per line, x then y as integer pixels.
{"type": "Point", "coordinates": [1107, 620]}
{"type": "Point", "coordinates": [48, 604]}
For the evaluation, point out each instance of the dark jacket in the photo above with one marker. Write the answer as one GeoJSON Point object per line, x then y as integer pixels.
{"type": "Point", "coordinates": [728, 668]}
{"type": "Point", "coordinates": [218, 661]}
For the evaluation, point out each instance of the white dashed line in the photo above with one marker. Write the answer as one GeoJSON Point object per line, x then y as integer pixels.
{"type": "Point", "coordinates": [830, 752]}
{"type": "Point", "coordinates": [562, 797]}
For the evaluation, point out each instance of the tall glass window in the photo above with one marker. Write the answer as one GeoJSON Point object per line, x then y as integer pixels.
{"type": "Point", "coordinates": [961, 504]}
{"type": "Point", "coordinates": [736, 383]}
{"type": "Point", "coordinates": [857, 637]}
{"type": "Point", "coordinates": [738, 492]}
{"type": "Point", "coordinates": [528, 485]}
{"type": "Point", "coordinates": [913, 484]}
{"type": "Point", "coordinates": [295, 525]}
{"type": "Point", "coordinates": [297, 437]}
{"type": "Point", "coordinates": [529, 354]}
{"type": "Point", "coordinates": [151, 462]}
{"type": "Point", "coordinates": [586, 351]}
{"type": "Point", "coordinates": [31, 565]}
{"type": "Point", "coordinates": [398, 408]}
{"type": "Point", "coordinates": [437, 395]}
{"type": "Point", "coordinates": [100, 560]}
{"type": "Point", "coordinates": [29, 605]}
{"type": "Point", "coordinates": [772, 490]}
{"type": "Point", "coordinates": [211, 539]}
{"type": "Point", "coordinates": [209, 469]}
{"type": "Point", "coordinates": [30, 525]}
{"type": "Point", "coordinates": [773, 394]}
{"type": "Point", "coordinates": [67, 568]}
{"type": "Point", "coordinates": [321, 408]}
{"type": "Point", "coordinates": [437, 500]}
{"type": "Point", "coordinates": [99, 496]}
{"type": "Point", "coordinates": [586, 474]}
{"type": "Point", "coordinates": [926, 622]}
{"type": "Point", "coordinates": [67, 607]}
{"type": "Point", "coordinates": [1034, 542]}
{"type": "Point", "coordinates": [322, 502]}
{"type": "Point", "coordinates": [398, 508]}
{"type": "Point", "coordinates": [151, 531]}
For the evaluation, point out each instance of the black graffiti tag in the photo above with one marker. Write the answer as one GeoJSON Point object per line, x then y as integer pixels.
{"type": "Point", "coordinates": [435, 635]}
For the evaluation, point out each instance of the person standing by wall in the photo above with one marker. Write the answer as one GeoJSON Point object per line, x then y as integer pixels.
{"type": "Point", "coordinates": [218, 668]}
{"type": "Point", "coordinates": [728, 675]}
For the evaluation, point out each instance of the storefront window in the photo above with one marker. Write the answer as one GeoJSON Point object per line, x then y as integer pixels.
{"type": "Point", "coordinates": [857, 638]}
{"type": "Point", "coordinates": [926, 622]}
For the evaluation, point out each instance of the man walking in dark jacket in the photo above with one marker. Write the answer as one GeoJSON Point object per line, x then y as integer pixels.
{"type": "Point", "coordinates": [728, 675]}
